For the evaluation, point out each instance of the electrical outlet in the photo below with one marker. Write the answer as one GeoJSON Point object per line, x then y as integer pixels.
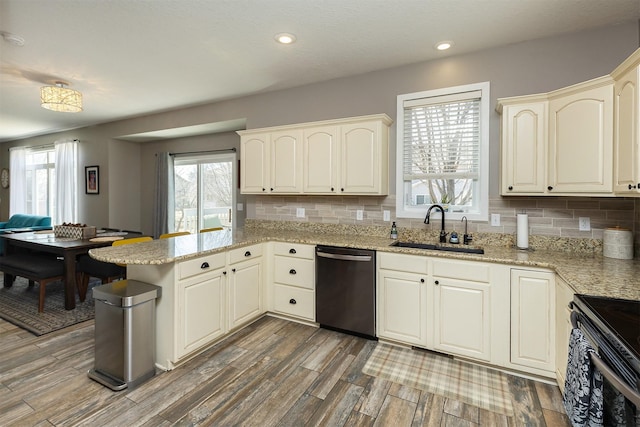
{"type": "Point", "coordinates": [300, 213]}
{"type": "Point", "coordinates": [239, 207]}
{"type": "Point", "coordinates": [386, 215]}
{"type": "Point", "coordinates": [584, 223]}
{"type": "Point", "coordinates": [495, 220]}
{"type": "Point", "coordinates": [359, 215]}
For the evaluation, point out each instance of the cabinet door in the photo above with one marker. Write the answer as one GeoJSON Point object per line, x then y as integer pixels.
{"type": "Point", "coordinates": [462, 317]}
{"type": "Point", "coordinates": [201, 311]}
{"type": "Point", "coordinates": [532, 319]}
{"type": "Point", "coordinates": [402, 307]}
{"type": "Point", "coordinates": [626, 138]}
{"type": "Point", "coordinates": [320, 163]}
{"type": "Point", "coordinates": [254, 164]}
{"type": "Point", "coordinates": [581, 142]}
{"type": "Point", "coordinates": [361, 170]}
{"type": "Point", "coordinates": [524, 139]}
{"type": "Point", "coordinates": [245, 292]}
{"type": "Point", "coordinates": [286, 162]}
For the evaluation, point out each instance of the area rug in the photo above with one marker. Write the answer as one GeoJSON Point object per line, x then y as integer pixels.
{"type": "Point", "coordinates": [19, 305]}
{"type": "Point", "coordinates": [472, 384]}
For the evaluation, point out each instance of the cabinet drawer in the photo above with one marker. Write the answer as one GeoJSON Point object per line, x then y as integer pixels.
{"type": "Point", "coordinates": [401, 262]}
{"type": "Point", "coordinates": [463, 270]}
{"type": "Point", "coordinates": [297, 250]}
{"type": "Point", "coordinates": [294, 271]}
{"type": "Point", "coordinates": [294, 301]}
{"type": "Point", "coordinates": [242, 254]}
{"type": "Point", "coordinates": [200, 265]}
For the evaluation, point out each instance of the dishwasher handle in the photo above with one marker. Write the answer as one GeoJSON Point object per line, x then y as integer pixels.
{"type": "Point", "coordinates": [365, 258]}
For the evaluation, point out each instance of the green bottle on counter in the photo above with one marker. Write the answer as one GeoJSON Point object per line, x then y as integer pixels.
{"type": "Point", "coordinates": [394, 231]}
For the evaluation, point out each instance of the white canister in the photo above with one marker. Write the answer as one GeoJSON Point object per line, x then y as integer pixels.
{"type": "Point", "coordinates": [618, 243]}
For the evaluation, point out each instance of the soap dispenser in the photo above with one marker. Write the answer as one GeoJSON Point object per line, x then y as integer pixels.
{"type": "Point", "coordinates": [394, 231]}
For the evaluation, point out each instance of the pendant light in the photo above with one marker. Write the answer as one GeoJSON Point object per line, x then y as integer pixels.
{"type": "Point", "coordinates": [60, 98]}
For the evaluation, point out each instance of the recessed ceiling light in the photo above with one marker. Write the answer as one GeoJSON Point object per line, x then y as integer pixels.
{"type": "Point", "coordinates": [285, 38]}
{"type": "Point", "coordinates": [444, 45]}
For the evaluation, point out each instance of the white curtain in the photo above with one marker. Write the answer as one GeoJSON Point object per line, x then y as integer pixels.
{"type": "Point", "coordinates": [66, 209]}
{"type": "Point", "coordinates": [17, 180]}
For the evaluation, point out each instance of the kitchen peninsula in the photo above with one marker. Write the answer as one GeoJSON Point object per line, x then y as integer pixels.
{"type": "Point", "coordinates": [215, 283]}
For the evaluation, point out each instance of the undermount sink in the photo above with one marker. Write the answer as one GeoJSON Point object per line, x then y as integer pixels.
{"type": "Point", "coordinates": [428, 246]}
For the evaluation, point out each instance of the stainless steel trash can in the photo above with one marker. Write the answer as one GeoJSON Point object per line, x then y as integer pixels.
{"type": "Point", "coordinates": [124, 333]}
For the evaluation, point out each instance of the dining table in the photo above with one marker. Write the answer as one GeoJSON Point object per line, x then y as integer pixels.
{"type": "Point", "coordinates": [67, 248]}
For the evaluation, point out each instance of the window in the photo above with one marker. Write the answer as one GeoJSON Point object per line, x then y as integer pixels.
{"type": "Point", "coordinates": [41, 182]}
{"type": "Point", "coordinates": [442, 152]}
{"type": "Point", "coordinates": [204, 191]}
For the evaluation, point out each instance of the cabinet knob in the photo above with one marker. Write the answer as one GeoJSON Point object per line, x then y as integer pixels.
{"type": "Point", "coordinates": [332, 189]}
{"type": "Point", "coordinates": [437, 282]}
{"type": "Point", "coordinates": [421, 280]}
{"type": "Point", "coordinates": [549, 188]}
{"type": "Point", "coordinates": [272, 189]}
{"type": "Point", "coordinates": [631, 187]}
{"type": "Point", "coordinates": [510, 187]}
{"type": "Point", "coordinates": [263, 189]}
{"type": "Point", "coordinates": [204, 265]}
{"type": "Point", "coordinates": [247, 253]}
{"type": "Point", "coordinates": [292, 271]}
{"type": "Point", "coordinates": [292, 251]}
{"type": "Point", "coordinates": [233, 270]}
{"type": "Point", "coordinates": [292, 301]}
{"type": "Point", "coordinates": [224, 273]}
{"type": "Point", "coordinates": [342, 189]}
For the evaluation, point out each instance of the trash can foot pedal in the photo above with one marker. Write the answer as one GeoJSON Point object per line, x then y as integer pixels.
{"type": "Point", "coordinates": [106, 380]}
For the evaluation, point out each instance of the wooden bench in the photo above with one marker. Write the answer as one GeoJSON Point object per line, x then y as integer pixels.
{"type": "Point", "coordinates": [36, 268]}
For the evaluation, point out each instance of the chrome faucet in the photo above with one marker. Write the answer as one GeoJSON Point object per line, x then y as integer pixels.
{"type": "Point", "coordinates": [443, 234]}
{"type": "Point", "coordinates": [467, 237]}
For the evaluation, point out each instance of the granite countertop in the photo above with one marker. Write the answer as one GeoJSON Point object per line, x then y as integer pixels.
{"type": "Point", "coordinates": [590, 274]}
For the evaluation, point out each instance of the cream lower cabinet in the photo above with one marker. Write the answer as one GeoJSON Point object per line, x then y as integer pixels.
{"type": "Point", "coordinates": [532, 321]}
{"type": "Point", "coordinates": [201, 317]}
{"type": "Point", "coordinates": [245, 294]}
{"type": "Point", "coordinates": [462, 308]}
{"type": "Point", "coordinates": [293, 290]}
{"type": "Point", "coordinates": [563, 297]}
{"type": "Point", "coordinates": [402, 310]}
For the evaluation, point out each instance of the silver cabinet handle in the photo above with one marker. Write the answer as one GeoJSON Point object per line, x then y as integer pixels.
{"type": "Point", "coordinates": [365, 258]}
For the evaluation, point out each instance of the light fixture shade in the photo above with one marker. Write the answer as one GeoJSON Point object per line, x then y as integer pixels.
{"type": "Point", "coordinates": [59, 98]}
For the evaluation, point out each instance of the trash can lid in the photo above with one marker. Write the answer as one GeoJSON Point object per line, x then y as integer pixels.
{"type": "Point", "coordinates": [126, 293]}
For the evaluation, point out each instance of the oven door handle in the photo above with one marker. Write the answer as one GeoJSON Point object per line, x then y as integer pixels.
{"type": "Point", "coordinates": [608, 373]}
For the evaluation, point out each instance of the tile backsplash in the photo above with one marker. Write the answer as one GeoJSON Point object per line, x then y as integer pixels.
{"type": "Point", "coordinates": [548, 216]}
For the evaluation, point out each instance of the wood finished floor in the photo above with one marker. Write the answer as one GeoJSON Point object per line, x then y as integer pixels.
{"type": "Point", "coordinates": [273, 372]}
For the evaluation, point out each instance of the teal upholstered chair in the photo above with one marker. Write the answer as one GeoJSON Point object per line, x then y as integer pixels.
{"type": "Point", "coordinates": [19, 222]}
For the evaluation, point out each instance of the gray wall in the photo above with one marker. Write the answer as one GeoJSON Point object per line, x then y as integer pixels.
{"type": "Point", "coordinates": [524, 68]}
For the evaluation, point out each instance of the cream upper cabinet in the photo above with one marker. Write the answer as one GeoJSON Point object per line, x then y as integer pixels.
{"type": "Point", "coordinates": [524, 143]}
{"type": "Point", "coordinates": [626, 178]}
{"type": "Point", "coordinates": [286, 162]}
{"type": "Point", "coordinates": [320, 164]}
{"type": "Point", "coordinates": [364, 158]}
{"type": "Point", "coordinates": [558, 143]}
{"type": "Point", "coordinates": [254, 163]}
{"type": "Point", "coordinates": [345, 156]}
{"type": "Point", "coordinates": [532, 320]}
{"type": "Point", "coordinates": [581, 139]}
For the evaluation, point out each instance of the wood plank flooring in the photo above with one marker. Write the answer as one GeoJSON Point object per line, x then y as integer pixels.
{"type": "Point", "coordinates": [272, 373]}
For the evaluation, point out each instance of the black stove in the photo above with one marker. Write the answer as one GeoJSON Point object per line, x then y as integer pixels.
{"type": "Point", "coordinates": [615, 322]}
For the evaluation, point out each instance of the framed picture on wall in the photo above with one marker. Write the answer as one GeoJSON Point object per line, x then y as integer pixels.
{"type": "Point", "coordinates": [92, 180]}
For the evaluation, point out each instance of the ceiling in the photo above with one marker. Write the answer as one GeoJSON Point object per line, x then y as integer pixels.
{"type": "Point", "coordinates": [132, 58]}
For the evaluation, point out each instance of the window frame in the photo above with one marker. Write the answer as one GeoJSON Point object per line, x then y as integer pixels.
{"type": "Point", "coordinates": [481, 188]}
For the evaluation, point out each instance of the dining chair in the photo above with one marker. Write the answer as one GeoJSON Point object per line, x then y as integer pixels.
{"type": "Point", "coordinates": [206, 230]}
{"type": "Point", "coordinates": [107, 272]}
{"type": "Point", "coordinates": [177, 233]}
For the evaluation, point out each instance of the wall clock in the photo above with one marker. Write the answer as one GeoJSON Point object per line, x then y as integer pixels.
{"type": "Point", "coordinates": [4, 178]}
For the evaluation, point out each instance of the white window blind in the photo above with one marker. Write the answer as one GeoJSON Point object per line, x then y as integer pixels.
{"type": "Point", "coordinates": [442, 137]}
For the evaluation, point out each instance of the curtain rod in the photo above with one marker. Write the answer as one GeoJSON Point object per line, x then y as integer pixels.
{"type": "Point", "coordinates": [224, 150]}
{"type": "Point", "coordinates": [37, 147]}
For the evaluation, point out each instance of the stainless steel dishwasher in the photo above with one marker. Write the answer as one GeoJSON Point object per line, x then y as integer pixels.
{"type": "Point", "coordinates": [346, 290]}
